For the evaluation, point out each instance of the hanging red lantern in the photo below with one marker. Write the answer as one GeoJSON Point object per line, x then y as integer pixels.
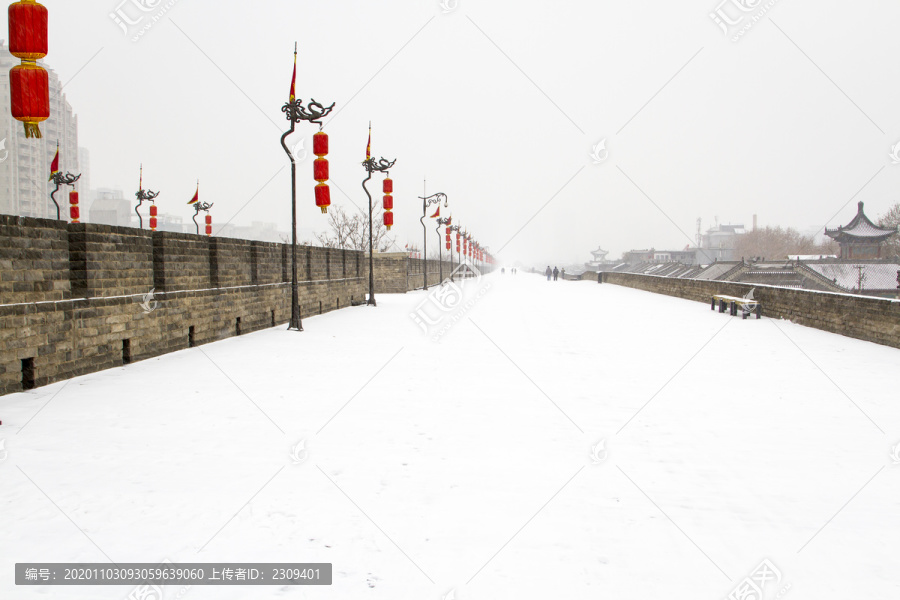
{"type": "Point", "coordinates": [323, 197]}
{"type": "Point", "coordinates": [320, 171]}
{"type": "Point", "coordinates": [320, 144]}
{"type": "Point", "coordinates": [29, 90]}
{"type": "Point", "coordinates": [27, 30]}
{"type": "Point", "coordinates": [153, 212]}
{"type": "Point", "coordinates": [448, 245]}
{"type": "Point", "coordinates": [388, 188]}
{"type": "Point", "coordinates": [208, 224]}
{"type": "Point", "coordinates": [28, 83]}
{"type": "Point", "coordinates": [73, 206]}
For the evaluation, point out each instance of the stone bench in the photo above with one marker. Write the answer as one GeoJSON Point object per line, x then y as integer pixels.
{"type": "Point", "coordinates": [746, 305]}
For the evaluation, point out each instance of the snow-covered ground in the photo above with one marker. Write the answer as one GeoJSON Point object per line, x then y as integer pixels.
{"type": "Point", "coordinates": [472, 467]}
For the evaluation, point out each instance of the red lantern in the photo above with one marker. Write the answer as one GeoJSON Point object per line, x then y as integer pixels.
{"type": "Point", "coordinates": [153, 212]}
{"type": "Point", "coordinates": [323, 197]}
{"type": "Point", "coordinates": [28, 83]}
{"type": "Point", "coordinates": [320, 144]}
{"type": "Point", "coordinates": [320, 170]}
{"type": "Point", "coordinates": [208, 224]}
{"type": "Point", "coordinates": [448, 245]}
{"type": "Point", "coordinates": [27, 30]}
{"type": "Point", "coordinates": [29, 90]}
{"type": "Point", "coordinates": [388, 188]}
{"type": "Point", "coordinates": [73, 206]}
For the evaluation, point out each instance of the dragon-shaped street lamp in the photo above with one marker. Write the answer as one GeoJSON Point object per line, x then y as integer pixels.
{"type": "Point", "coordinates": [426, 202]}
{"type": "Point", "coordinates": [295, 112]}
{"type": "Point", "coordinates": [205, 206]}
{"type": "Point", "coordinates": [59, 179]}
{"type": "Point", "coordinates": [452, 229]}
{"type": "Point", "coordinates": [382, 165]}
{"type": "Point", "coordinates": [437, 229]}
{"type": "Point", "coordinates": [142, 195]}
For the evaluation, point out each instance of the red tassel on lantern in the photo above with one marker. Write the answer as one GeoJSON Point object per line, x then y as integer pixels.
{"type": "Point", "coordinates": [388, 219]}
{"type": "Point", "coordinates": [153, 212]}
{"type": "Point", "coordinates": [323, 197]}
{"type": "Point", "coordinates": [73, 206]}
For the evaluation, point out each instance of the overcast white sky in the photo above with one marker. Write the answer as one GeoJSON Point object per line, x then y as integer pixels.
{"type": "Point", "coordinates": [499, 105]}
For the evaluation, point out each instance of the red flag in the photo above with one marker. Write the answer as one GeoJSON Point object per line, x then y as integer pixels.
{"type": "Point", "coordinates": [294, 76]}
{"type": "Point", "coordinates": [369, 143]}
{"type": "Point", "coordinates": [437, 213]}
{"type": "Point", "coordinates": [196, 197]}
{"type": "Point", "coordinates": [54, 165]}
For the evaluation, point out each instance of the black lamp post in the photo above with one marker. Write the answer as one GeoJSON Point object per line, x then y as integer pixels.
{"type": "Point", "coordinates": [452, 229]}
{"type": "Point", "coordinates": [197, 208]}
{"type": "Point", "coordinates": [60, 179]}
{"type": "Point", "coordinates": [295, 112]}
{"type": "Point", "coordinates": [382, 165]}
{"type": "Point", "coordinates": [441, 221]}
{"type": "Point", "coordinates": [426, 202]}
{"type": "Point", "coordinates": [142, 195]}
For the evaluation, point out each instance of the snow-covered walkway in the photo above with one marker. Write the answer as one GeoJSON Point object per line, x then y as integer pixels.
{"type": "Point", "coordinates": [558, 440]}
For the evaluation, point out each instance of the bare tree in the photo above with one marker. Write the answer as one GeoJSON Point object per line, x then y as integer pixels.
{"type": "Point", "coordinates": [351, 231]}
{"type": "Point", "coordinates": [891, 219]}
{"type": "Point", "coordinates": [776, 243]}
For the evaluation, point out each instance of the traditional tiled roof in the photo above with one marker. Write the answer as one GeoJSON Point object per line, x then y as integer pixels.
{"type": "Point", "coordinates": [876, 275]}
{"type": "Point", "coordinates": [861, 229]}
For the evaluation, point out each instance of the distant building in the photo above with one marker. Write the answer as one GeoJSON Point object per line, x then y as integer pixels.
{"type": "Point", "coordinates": [861, 239]}
{"type": "Point", "coordinates": [718, 242]}
{"type": "Point", "coordinates": [25, 162]}
{"type": "Point", "coordinates": [599, 259]}
{"type": "Point", "coordinates": [110, 208]}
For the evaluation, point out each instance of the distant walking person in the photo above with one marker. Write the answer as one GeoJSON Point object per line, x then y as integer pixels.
{"type": "Point", "coordinates": [562, 273]}
{"type": "Point", "coordinates": [555, 273]}
{"type": "Point", "coordinates": [548, 273]}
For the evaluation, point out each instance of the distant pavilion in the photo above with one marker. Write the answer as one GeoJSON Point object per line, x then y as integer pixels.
{"type": "Point", "coordinates": [861, 239]}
